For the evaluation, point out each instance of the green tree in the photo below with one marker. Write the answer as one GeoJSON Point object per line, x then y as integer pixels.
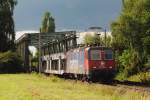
{"type": "Point", "coordinates": [133, 25]}
{"type": "Point", "coordinates": [10, 62]}
{"type": "Point", "coordinates": [48, 23]}
{"type": "Point", "coordinates": [7, 34]}
{"type": "Point", "coordinates": [92, 39]}
{"type": "Point", "coordinates": [108, 41]}
{"type": "Point", "coordinates": [119, 42]}
{"type": "Point", "coordinates": [131, 31]}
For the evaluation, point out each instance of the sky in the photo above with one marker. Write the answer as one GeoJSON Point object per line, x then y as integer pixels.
{"type": "Point", "coordinates": [68, 14]}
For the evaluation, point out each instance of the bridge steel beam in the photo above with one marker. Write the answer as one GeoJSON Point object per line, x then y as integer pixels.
{"type": "Point", "coordinates": [58, 42]}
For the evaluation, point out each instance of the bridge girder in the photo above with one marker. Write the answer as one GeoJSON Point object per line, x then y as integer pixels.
{"type": "Point", "coordinates": [56, 39]}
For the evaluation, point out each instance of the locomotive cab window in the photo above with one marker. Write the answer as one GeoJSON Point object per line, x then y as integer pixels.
{"type": "Point", "coordinates": [108, 54]}
{"type": "Point", "coordinates": [95, 55]}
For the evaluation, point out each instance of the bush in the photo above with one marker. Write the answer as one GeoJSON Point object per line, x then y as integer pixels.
{"type": "Point", "coordinates": [10, 63]}
{"type": "Point", "coordinates": [129, 63]}
{"type": "Point", "coordinates": [145, 77]}
{"type": "Point", "coordinates": [142, 77]}
{"type": "Point", "coordinates": [147, 65]}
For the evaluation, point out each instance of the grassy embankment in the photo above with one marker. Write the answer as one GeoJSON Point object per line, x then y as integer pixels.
{"type": "Point", "coordinates": [39, 87]}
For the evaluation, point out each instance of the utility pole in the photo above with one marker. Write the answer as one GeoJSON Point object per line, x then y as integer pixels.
{"type": "Point", "coordinates": [39, 44]}
{"type": "Point", "coordinates": [99, 35]}
{"type": "Point", "coordinates": [105, 37]}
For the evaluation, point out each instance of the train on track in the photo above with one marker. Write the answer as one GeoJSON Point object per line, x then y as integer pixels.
{"type": "Point", "coordinates": [90, 63]}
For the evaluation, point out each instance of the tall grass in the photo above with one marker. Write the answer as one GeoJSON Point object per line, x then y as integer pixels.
{"type": "Point", "coordinates": [39, 87]}
{"type": "Point", "coordinates": [143, 77]}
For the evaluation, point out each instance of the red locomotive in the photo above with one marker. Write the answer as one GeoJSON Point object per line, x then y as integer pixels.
{"type": "Point", "coordinates": [92, 63]}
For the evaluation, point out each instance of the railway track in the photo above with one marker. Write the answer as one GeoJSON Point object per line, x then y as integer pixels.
{"type": "Point", "coordinates": [135, 88]}
{"type": "Point", "coordinates": [138, 87]}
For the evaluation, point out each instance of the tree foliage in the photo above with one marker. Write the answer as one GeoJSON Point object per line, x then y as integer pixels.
{"type": "Point", "coordinates": [133, 26]}
{"type": "Point", "coordinates": [131, 31]}
{"type": "Point", "coordinates": [107, 42]}
{"type": "Point", "coordinates": [128, 60]}
{"type": "Point", "coordinates": [48, 23]}
{"type": "Point", "coordinates": [10, 62]}
{"type": "Point", "coordinates": [7, 34]}
{"type": "Point", "coordinates": [92, 39]}
{"type": "Point", "coordinates": [97, 40]}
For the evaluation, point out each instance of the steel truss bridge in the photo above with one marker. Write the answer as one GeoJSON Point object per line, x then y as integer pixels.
{"type": "Point", "coordinates": [46, 43]}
